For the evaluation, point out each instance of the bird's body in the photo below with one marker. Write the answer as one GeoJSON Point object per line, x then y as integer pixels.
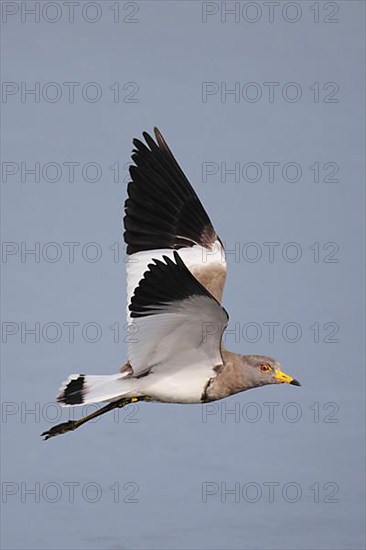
{"type": "Point", "coordinates": [176, 272]}
{"type": "Point", "coordinates": [185, 385]}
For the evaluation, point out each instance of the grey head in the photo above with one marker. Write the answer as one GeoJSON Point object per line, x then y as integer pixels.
{"type": "Point", "coordinates": [260, 370]}
{"type": "Point", "coordinates": [243, 372]}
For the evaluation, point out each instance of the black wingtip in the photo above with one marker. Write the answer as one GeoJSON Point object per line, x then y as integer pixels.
{"type": "Point", "coordinates": [162, 209]}
{"type": "Point", "coordinates": [158, 135]}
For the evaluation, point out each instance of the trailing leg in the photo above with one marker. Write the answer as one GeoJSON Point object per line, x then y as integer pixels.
{"type": "Point", "coordinates": [72, 425]}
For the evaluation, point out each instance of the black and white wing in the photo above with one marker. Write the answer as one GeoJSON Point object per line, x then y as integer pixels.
{"type": "Point", "coordinates": [163, 214]}
{"type": "Point", "coordinates": [178, 322]}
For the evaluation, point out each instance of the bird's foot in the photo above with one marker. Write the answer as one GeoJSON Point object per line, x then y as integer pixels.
{"type": "Point", "coordinates": [60, 429]}
{"type": "Point", "coordinates": [73, 424]}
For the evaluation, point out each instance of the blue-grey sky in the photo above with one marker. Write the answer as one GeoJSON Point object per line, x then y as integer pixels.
{"type": "Point", "coordinates": [262, 104]}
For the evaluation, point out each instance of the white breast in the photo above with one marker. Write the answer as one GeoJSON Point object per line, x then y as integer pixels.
{"type": "Point", "coordinates": [177, 386]}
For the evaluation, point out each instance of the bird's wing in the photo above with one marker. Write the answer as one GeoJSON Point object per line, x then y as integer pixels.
{"type": "Point", "coordinates": [163, 214]}
{"type": "Point", "coordinates": [178, 322]}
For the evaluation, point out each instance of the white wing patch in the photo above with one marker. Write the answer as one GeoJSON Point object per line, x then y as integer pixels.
{"type": "Point", "coordinates": [185, 332]}
{"type": "Point", "coordinates": [195, 257]}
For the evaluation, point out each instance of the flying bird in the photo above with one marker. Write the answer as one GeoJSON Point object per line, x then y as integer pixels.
{"type": "Point", "coordinates": [176, 272]}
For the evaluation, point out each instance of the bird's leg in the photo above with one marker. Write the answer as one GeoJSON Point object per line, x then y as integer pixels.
{"type": "Point", "coordinates": [71, 425]}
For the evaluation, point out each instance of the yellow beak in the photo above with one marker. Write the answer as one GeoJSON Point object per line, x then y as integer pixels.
{"type": "Point", "coordinates": [285, 378]}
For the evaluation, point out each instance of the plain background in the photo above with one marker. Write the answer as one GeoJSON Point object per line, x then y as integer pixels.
{"type": "Point", "coordinates": [164, 454]}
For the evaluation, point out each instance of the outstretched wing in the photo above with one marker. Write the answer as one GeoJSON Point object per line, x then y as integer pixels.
{"type": "Point", "coordinates": [163, 214]}
{"type": "Point", "coordinates": [179, 323]}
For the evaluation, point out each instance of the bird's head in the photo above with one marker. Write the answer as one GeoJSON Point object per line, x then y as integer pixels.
{"type": "Point", "coordinates": [260, 370]}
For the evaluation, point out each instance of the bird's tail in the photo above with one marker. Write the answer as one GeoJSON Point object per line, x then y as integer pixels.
{"type": "Point", "coordinates": [80, 389]}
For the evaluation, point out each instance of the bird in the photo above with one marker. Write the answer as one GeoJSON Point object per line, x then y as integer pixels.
{"type": "Point", "coordinates": [176, 272]}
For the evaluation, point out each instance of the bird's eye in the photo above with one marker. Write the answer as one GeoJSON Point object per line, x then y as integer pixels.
{"type": "Point", "coordinates": [265, 367]}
